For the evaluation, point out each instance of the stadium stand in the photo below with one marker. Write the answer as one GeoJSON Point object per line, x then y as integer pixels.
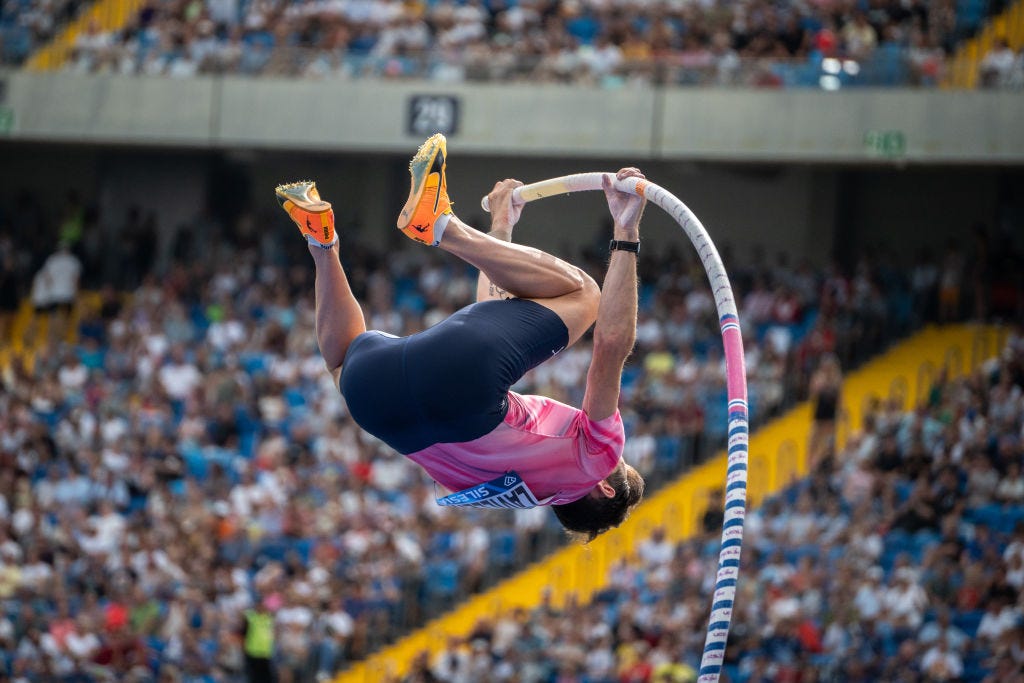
{"type": "Point", "coordinates": [194, 409]}
{"type": "Point", "coordinates": [608, 43]}
{"type": "Point", "coordinates": [971, 65]}
{"type": "Point", "coordinates": [917, 527]}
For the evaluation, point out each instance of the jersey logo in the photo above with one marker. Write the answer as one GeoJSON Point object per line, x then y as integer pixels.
{"type": "Point", "coordinates": [508, 491]}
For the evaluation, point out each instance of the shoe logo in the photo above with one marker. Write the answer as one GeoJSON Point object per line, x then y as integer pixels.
{"type": "Point", "coordinates": [437, 195]}
{"type": "Point", "coordinates": [309, 226]}
{"type": "Point", "coordinates": [421, 228]}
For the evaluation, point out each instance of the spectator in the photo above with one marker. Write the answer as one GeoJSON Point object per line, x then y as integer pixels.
{"type": "Point", "coordinates": [258, 635]}
{"type": "Point", "coordinates": [9, 289]}
{"type": "Point", "coordinates": [942, 663]}
{"type": "Point", "coordinates": [55, 287]}
{"type": "Point", "coordinates": [997, 66]}
{"type": "Point", "coordinates": [709, 43]}
{"type": "Point", "coordinates": [941, 630]}
{"type": "Point", "coordinates": [133, 471]}
{"type": "Point", "coordinates": [859, 37]}
{"type": "Point", "coordinates": [1011, 487]}
{"type": "Point", "coordinates": [826, 406]}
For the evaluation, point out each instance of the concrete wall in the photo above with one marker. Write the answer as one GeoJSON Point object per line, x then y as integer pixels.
{"type": "Point", "coordinates": [801, 125]}
{"type": "Point", "coordinates": [542, 121]}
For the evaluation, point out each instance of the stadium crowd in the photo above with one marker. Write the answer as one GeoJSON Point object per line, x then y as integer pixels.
{"type": "Point", "coordinates": [187, 465]}
{"type": "Point", "coordinates": [600, 41]}
{"type": "Point", "coordinates": [900, 559]}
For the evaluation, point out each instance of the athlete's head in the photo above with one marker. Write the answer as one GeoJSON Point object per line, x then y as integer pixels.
{"type": "Point", "coordinates": [606, 506]}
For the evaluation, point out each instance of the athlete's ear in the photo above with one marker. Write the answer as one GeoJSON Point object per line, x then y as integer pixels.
{"type": "Point", "coordinates": [603, 488]}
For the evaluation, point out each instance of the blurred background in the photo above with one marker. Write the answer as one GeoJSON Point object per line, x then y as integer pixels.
{"type": "Point", "coordinates": [183, 496]}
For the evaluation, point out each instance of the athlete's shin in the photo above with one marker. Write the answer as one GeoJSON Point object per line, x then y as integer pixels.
{"type": "Point", "coordinates": [339, 318]}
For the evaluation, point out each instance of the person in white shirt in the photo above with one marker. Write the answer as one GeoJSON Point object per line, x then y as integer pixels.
{"type": "Point", "coordinates": [63, 270]}
{"type": "Point", "coordinates": [337, 626]}
{"type": "Point", "coordinates": [55, 287]}
{"type": "Point", "coordinates": [178, 376]}
{"type": "Point", "coordinates": [941, 663]}
{"type": "Point", "coordinates": [656, 551]}
{"type": "Point", "coordinates": [83, 643]}
{"type": "Point", "coordinates": [999, 617]}
{"type": "Point", "coordinates": [997, 65]}
{"type": "Point", "coordinates": [906, 602]}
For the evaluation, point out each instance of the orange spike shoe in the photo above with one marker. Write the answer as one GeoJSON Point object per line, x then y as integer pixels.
{"type": "Point", "coordinates": [428, 197]}
{"type": "Point", "coordinates": [313, 216]}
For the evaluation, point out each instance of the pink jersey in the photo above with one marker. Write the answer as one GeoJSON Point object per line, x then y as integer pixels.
{"type": "Point", "coordinates": [555, 448]}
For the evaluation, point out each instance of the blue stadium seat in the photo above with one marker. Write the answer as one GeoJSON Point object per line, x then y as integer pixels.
{"type": "Point", "coordinates": [504, 552]}
{"type": "Point", "coordinates": [16, 42]}
{"type": "Point", "coordinates": [903, 489]}
{"type": "Point", "coordinates": [584, 28]}
{"type": "Point", "coordinates": [303, 547]}
{"type": "Point", "coordinates": [442, 579]}
{"type": "Point", "coordinates": [974, 666]}
{"type": "Point", "coordinates": [1001, 519]}
{"type": "Point", "coordinates": [968, 621]}
{"type": "Point", "coordinates": [273, 549]}
{"type": "Point", "coordinates": [195, 461]}
{"type": "Point", "coordinates": [442, 543]}
{"type": "Point", "coordinates": [666, 454]}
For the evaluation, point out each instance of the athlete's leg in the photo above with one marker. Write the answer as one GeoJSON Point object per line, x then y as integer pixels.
{"type": "Point", "coordinates": [514, 270]}
{"type": "Point", "coordinates": [339, 319]}
{"type": "Point", "coordinates": [508, 269]}
{"type": "Point", "coordinates": [519, 271]}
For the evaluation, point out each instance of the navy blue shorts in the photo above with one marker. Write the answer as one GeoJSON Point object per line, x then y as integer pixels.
{"type": "Point", "coordinates": [450, 383]}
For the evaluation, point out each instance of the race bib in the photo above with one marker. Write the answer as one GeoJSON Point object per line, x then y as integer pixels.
{"type": "Point", "coordinates": [508, 491]}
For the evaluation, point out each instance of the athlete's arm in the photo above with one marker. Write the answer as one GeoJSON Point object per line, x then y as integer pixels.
{"type": "Point", "coordinates": [615, 331]}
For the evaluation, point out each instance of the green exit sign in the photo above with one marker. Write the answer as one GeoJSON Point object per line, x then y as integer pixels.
{"type": "Point", "coordinates": [6, 120]}
{"type": "Point", "coordinates": [885, 143]}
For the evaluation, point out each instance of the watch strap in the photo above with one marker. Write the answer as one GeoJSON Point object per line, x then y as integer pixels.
{"type": "Point", "coordinates": [623, 245]}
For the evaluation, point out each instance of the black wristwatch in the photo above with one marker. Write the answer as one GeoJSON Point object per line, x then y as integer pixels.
{"type": "Point", "coordinates": [623, 245]}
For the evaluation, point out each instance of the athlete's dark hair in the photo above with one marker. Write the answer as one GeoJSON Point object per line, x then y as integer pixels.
{"type": "Point", "coordinates": [588, 518]}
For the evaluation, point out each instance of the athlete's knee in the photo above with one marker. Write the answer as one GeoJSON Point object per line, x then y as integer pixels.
{"type": "Point", "coordinates": [585, 285]}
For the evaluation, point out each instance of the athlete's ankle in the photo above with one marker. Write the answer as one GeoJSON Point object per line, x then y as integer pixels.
{"type": "Point", "coordinates": [320, 251]}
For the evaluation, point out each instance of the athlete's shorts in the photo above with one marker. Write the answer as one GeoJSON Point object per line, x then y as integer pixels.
{"type": "Point", "coordinates": [450, 383]}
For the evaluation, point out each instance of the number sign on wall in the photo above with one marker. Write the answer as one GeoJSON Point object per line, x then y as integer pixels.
{"type": "Point", "coordinates": [429, 114]}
